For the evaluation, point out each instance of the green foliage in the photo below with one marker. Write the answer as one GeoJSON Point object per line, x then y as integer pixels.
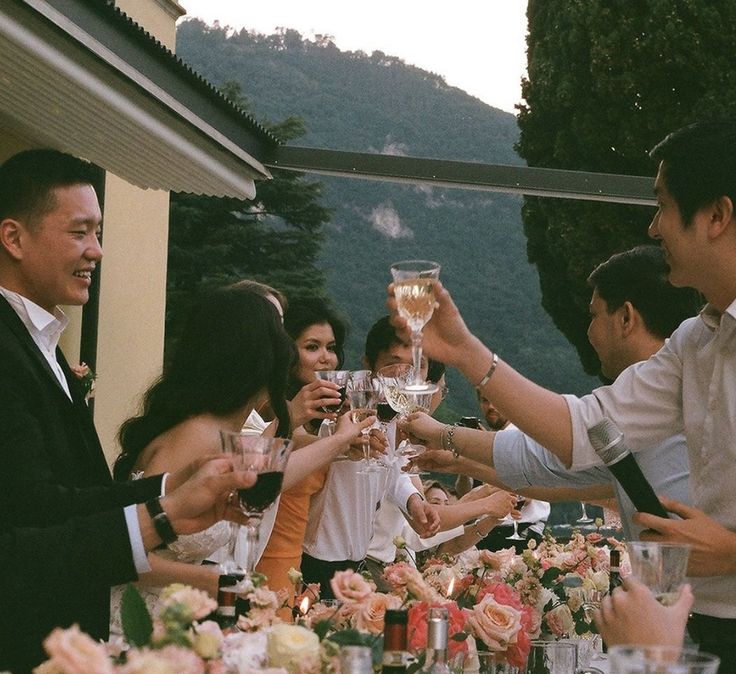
{"type": "Point", "coordinates": [275, 239]}
{"type": "Point", "coordinates": [606, 82]}
{"type": "Point", "coordinates": [134, 616]}
{"type": "Point", "coordinates": [378, 103]}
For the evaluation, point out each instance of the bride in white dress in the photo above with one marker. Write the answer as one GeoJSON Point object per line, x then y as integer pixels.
{"type": "Point", "coordinates": [232, 357]}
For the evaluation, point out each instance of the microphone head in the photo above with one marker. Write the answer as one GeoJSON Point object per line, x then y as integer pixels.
{"type": "Point", "coordinates": [607, 441]}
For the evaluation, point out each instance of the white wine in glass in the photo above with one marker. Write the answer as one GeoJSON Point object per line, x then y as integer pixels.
{"type": "Point", "coordinates": [414, 282]}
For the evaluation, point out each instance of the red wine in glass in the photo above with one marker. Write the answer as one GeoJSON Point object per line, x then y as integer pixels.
{"type": "Point", "coordinates": [336, 408]}
{"type": "Point", "coordinates": [263, 493]}
{"type": "Point", "coordinates": [385, 412]}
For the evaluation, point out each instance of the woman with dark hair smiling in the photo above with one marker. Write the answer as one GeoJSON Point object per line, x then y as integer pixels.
{"type": "Point", "coordinates": [319, 336]}
{"type": "Point", "coordinates": [233, 356]}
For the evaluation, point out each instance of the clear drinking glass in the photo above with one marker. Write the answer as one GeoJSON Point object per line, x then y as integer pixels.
{"type": "Point", "coordinates": [268, 458]}
{"type": "Point", "coordinates": [520, 501]}
{"type": "Point", "coordinates": [584, 517]}
{"type": "Point", "coordinates": [339, 377]}
{"type": "Point", "coordinates": [361, 396]}
{"type": "Point", "coordinates": [662, 567]}
{"type": "Point", "coordinates": [414, 282]}
{"type": "Point", "coordinates": [661, 660]}
{"type": "Point", "coordinates": [416, 401]}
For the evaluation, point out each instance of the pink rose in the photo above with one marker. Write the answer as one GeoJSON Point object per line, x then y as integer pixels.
{"type": "Point", "coordinates": [497, 560]}
{"type": "Point", "coordinates": [168, 660]}
{"type": "Point", "coordinates": [496, 625]}
{"type": "Point", "coordinates": [560, 621]}
{"type": "Point", "coordinates": [370, 615]}
{"type": "Point", "coordinates": [502, 593]}
{"type": "Point", "coordinates": [199, 603]}
{"type": "Point", "coordinates": [74, 652]}
{"type": "Point", "coordinates": [350, 586]}
{"type": "Point", "coordinates": [594, 537]}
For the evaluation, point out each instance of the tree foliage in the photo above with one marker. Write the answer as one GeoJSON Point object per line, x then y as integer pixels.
{"type": "Point", "coordinates": [607, 81]}
{"type": "Point", "coordinates": [275, 239]}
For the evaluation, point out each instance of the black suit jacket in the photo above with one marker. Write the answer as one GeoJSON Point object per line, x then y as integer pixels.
{"type": "Point", "coordinates": [52, 469]}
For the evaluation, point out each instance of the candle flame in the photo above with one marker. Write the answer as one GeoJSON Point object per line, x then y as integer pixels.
{"type": "Point", "coordinates": [451, 586]}
{"type": "Point", "coordinates": [304, 605]}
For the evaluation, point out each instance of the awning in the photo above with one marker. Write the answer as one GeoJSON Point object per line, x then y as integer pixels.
{"type": "Point", "coordinates": [61, 86]}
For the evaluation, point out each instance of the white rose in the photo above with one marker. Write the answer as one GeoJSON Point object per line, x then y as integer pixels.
{"type": "Point", "coordinates": [289, 645]}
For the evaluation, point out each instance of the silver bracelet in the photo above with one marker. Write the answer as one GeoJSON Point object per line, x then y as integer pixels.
{"type": "Point", "coordinates": [451, 442]}
{"type": "Point", "coordinates": [489, 374]}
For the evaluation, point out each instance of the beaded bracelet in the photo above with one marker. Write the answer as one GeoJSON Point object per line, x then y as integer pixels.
{"type": "Point", "coordinates": [451, 441]}
{"type": "Point", "coordinates": [161, 521]}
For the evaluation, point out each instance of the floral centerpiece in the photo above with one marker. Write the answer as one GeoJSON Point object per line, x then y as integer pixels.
{"type": "Point", "coordinates": [496, 601]}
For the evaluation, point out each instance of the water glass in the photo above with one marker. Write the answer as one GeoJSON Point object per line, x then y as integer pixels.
{"type": "Point", "coordinates": [553, 657]}
{"type": "Point", "coordinates": [659, 566]}
{"type": "Point", "coordinates": [491, 663]}
{"type": "Point", "coordinates": [661, 660]}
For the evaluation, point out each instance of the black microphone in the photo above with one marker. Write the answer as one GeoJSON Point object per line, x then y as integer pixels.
{"type": "Point", "coordinates": [608, 443]}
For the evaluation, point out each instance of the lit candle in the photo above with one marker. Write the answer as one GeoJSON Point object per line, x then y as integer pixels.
{"type": "Point", "coordinates": [450, 587]}
{"type": "Point", "coordinates": [304, 605]}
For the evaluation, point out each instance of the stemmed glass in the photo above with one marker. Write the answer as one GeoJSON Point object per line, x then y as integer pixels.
{"type": "Point", "coordinates": [584, 517]}
{"type": "Point", "coordinates": [414, 282]}
{"type": "Point", "coordinates": [416, 401]}
{"type": "Point", "coordinates": [339, 377]}
{"type": "Point", "coordinates": [520, 501]}
{"type": "Point", "coordinates": [361, 396]}
{"type": "Point", "coordinates": [268, 458]}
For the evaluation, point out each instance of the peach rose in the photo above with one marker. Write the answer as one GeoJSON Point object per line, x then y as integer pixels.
{"type": "Point", "coordinates": [199, 603]}
{"type": "Point", "coordinates": [496, 625]}
{"type": "Point", "coordinates": [371, 614]}
{"type": "Point", "coordinates": [498, 560]}
{"type": "Point", "coordinates": [350, 586]}
{"type": "Point", "coordinates": [560, 621]}
{"type": "Point", "coordinates": [168, 660]}
{"type": "Point", "coordinates": [74, 652]}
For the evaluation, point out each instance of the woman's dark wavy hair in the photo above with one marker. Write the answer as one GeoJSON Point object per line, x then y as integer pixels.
{"type": "Point", "coordinates": [232, 347]}
{"type": "Point", "coordinates": [305, 312]}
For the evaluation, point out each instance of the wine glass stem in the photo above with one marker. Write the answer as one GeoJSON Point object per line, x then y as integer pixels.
{"type": "Point", "coordinates": [230, 564]}
{"type": "Point", "coordinates": [416, 353]}
{"type": "Point", "coordinates": [253, 534]}
{"type": "Point", "coordinates": [366, 448]}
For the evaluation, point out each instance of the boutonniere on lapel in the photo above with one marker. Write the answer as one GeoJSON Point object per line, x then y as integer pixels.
{"type": "Point", "coordinates": [86, 376]}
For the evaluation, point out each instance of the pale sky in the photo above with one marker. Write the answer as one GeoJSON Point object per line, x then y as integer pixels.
{"type": "Point", "coordinates": [476, 45]}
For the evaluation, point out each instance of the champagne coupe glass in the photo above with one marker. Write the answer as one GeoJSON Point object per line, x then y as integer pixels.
{"type": "Point", "coordinates": [520, 501]}
{"type": "Point", "coordinates": [267, 457]}
{"type": "Point", "coordinates": [414, 282]}
{"type": "Point", "coordinates": [361, 396]}
{"type": "Point", "coordinates": [584, 517]}
{"type": "Point", "coordinates": [339, 377]}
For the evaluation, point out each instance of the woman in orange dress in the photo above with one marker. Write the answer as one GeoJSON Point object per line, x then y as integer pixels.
{"type": "Point", "coordinates": [319, 335]}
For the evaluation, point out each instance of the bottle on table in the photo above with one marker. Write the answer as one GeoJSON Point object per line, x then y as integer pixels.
{"type": "Point", "coordinates": [395, 653]}
{"type": "Point", "coordinates": [437, 631]}
{"type": "Point", "coordinates": [356, 660]}
{"type": "Point", "coordinates": [614, 570]}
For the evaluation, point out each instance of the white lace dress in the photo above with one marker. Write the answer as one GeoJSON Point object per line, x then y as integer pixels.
{"type": "Point", "coordinates": [192, 549]}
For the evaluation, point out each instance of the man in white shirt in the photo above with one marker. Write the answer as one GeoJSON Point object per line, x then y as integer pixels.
{"type": "Point", "coordinates": [690, 384]}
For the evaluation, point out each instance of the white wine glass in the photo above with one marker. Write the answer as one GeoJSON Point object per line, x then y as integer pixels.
{"type": "Point", "coordinates": [416, 401]}
{"type": "Point", "coordinates": [339, 377]}
{"type": "Point", "coordinates": [361, 397]}
{"type": "Point", "coordinates": [267, 457]}
{"type": "Point", "coordinates": [515, 536]}
{"type": "Point", "coordinates": [414, 282]}
{"type": "Point", "coordinates": [584, 517]}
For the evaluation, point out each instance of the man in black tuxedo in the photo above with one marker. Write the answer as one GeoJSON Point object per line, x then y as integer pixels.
{"type": "Point", "coordinates": [52, 467]}
{"type": "Point", "coordinates": [98, 548]}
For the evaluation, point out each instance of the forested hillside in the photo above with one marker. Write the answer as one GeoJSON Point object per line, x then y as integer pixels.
{"type": "Point", "coordinates": [377, 103]}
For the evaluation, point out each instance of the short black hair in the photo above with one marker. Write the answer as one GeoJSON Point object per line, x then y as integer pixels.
{"type": "Point", "coordinates": [28, 178]}
{"type": "Point", "coordinates": [435, 370]}
{"type": "Point", "coordinates": [699, 165]}
{"type": "Point", "coordinates": [640, 276]}
{"type": "Point", "coordinates": [380, 337]}
{"type": "Point", "coordinates": [305, 311]}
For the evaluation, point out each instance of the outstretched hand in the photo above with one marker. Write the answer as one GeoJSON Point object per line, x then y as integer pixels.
{"type": "Point", "coordinates": [423, 517]}
{"type": "Point", "coordinates": [445, 337]}
{"type": "Point", "coordinates": [204, 498]}
{"type": "Point", "coordinates": [632, 615]}
{"type": "Point", "coordinates": [712, 546]}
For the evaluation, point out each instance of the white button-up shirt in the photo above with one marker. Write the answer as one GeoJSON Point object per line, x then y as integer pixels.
{"type": "Point", "coordinates": [690, 385]}
{"type": "Point", "coordinates": [44, 328]}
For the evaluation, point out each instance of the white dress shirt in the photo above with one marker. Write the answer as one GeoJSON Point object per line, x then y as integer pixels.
{"type": "Point", "coordinates": [690, 385]}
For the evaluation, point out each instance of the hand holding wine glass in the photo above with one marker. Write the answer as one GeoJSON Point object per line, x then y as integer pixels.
{"type": "Point", "coordinates": [520, 501]}
{"type": "Point", "coordinates": [361, 396]}
{"type": "Point", "coordinates": [267, 457]}
{"type": "Point", "coordinates": [340, 379]}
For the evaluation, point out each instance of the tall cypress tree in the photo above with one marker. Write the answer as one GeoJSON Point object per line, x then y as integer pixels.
{"type": "Point", "coordinates": [606, 81]}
